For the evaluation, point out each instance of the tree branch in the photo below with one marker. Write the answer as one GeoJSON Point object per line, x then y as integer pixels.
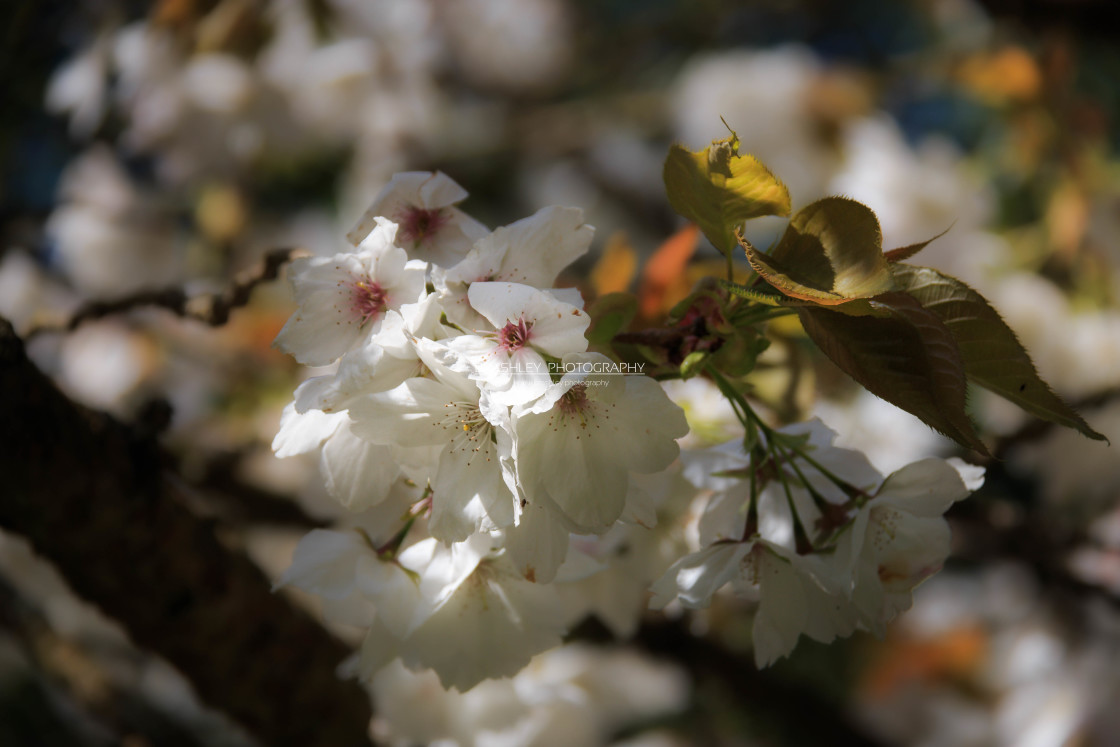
{"type": "Point", "coordinates": [91, 495]}
{"type": "Point", "coordinates": [212, 309]}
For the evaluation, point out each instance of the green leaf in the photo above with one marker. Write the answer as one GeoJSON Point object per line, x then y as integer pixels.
{"type": "Point", "coordinates": [908, 358]}
{"type": "Point", "coordinates": [693, 364]}
{"type": "Point", "coordinates": [739, 352]}
{"type": "Point", "coordinates": [830, 253]}
{"type": "Point", "coordinates": [718, 189]}
{"type": "Point", "coordinates": [993, 356]}
{"type": "Point", "coordinates": [610, 314]}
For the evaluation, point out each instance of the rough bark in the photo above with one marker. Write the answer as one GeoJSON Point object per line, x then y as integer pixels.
{"type": "Point", "coordinates": [91, 494]}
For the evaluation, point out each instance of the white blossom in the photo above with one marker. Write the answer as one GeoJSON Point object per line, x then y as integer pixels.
{"type": "Point", "coordinates": [790, 590]}
{"type": "Point", "coordinates": [343, 299]}
{"type": "Point", "coordinates": [531, 251]}
{"type": "Point", "coordinates": [880, 538]}
{"type": "Point", "coordinates": [112, 236]}
{"type": "Point", "coordinates": [899, 538]}
{"type": "Point", "coordinates": [386, 360]}
{"type": "Point", "coordinates": [724, 470]}
{"type": "Point", "coordinates": [79, 86]}
{"type": "Point", "coordinates": [422, 204]}
{"type": "Point", "coordinates": [577, 444]}
{"type": "Point", "coordinates": [509, 363]}
{"type": "Point", "coordinates": [343, 568]}
{"type": "Point", "coordinates": [477, 618]}
{"type": "Point", "coordinates": [576, 694]}
{"type": "Point", "coordinates": [356, 472]}
{"type": "Point", "coordinates": [470, 435]}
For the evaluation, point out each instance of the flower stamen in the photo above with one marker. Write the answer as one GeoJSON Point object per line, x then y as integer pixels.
{"type": "Point", "coordinates": [417, 224]}
{"type": "Point", "coordinates": [368, 300]}
{"type": "Point", "coordinates": [514, 336]}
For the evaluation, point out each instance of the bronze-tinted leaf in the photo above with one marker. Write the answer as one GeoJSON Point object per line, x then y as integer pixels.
{"type": "Point", "coordinates": [908, 358]}
{"type": "Point", "coordinates": [830, 253]}
{"type": "Point", "coordinates": [785, 279]}
{"type": "Point", "coordinates": [993, 356]}
{"type": "Point", "coordinates": [906, 252]}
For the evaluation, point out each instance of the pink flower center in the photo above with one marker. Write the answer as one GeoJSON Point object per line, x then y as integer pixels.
{"type": "Point", "coordinates": [574, 401]}
{"type": "Point", "coordinates": [415, 224]}
{"type": "Point", "coordinates": [368, 300]}
{"type": "Point", "coordinates": [514, 336]}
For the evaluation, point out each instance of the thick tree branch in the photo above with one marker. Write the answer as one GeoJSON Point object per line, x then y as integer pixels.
{"type": "Point", "coordinates": [91, 495]}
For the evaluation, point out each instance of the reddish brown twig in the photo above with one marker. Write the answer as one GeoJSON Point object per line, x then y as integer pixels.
{"type": "Point", "coordinates": [212, 309]}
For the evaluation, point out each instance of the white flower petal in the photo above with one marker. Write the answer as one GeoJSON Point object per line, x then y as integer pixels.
{"type": "Point", "coordinates": [304, 432]}
{"type": "Point", "coordinates": [325, 563]}
{"type": "Point", "coordinates": [469, 492]}
{"type": "Point", "coordinates": [925, 488]}
{"type": "Point", "coordinates": [359, 474]}
{"type": "Point", "coordinates": [695, 578]}
{"type": "Point", "coordinates": [972, 475]}
{"type": "Point", "coordinates": [783, 612]}
{"type": "Point", "coordinates": [538, 545]}
{"type": "Point", "coordinates": [490, 627]}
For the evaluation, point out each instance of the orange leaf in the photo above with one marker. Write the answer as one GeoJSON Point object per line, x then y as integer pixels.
{"type": "Point", "coordinates": [1008, 75]}
{"type": "Point", "coordinates": [951, 654]}
{"type": "Point", "coordinates": [616, 267]}
{"type": "Point", "coordinates": [664, 274]}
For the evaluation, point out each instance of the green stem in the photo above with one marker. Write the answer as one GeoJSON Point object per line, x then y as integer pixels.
{"type": "Point", "coordinates": [767, 315]}
{"type": "Point", "coordinates": [389, 550]}
{"type": "Point", "coordinates": [751, 527]}
{"type": "Point", "coordinates": [851, 490]}
{"type": "Point", "coordinates": [738, 401]}
{"type": "Point", "coordinates": [818, 499]}
{"type": "Point", "coordinates": [800, 536]}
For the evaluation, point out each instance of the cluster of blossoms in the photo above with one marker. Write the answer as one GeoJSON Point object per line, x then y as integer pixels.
{"type": "Point", "coordinates": [505, 479]}
{"type": "Point", "coordinates": [443, 411]}
{"type": "Point", "coordinates": [870, 540]}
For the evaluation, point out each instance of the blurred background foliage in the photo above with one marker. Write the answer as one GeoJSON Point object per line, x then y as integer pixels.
{"type": "Point", "coordinates": [147, 145]}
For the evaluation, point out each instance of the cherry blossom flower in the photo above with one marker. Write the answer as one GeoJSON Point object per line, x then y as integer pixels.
{"type": "Point", "coordinates": [576, 446]}
{"type": "Point", "coordinates": [385, 361]}
{"type": "Point", "coordinates": [477, 618]}
{"type": "Point", "coordinates": [342, 567]}
{"type": "Point", "coordinates": [574, 695]}
{"type": "Point", "coordinates": [790, 590]}
{"type": "Point", "coordinates": [430, 227]}
{"type": "Point", "coordinates": [531, 251]}
{"type": "Point", "coordinates": [469, 435]}
{"type": "Point", "coordinates": [899, 539]}
{"type": "Point", "coordinates": [724, 470]}
{"type": "Point", "coordinates": [343, 299]}
{"type": "Point", "coordinates": [881, 538]}
{"type": "Point", "coordinates": [357, 473]}
{"type": "Point", "coordinates": [529, 324]}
